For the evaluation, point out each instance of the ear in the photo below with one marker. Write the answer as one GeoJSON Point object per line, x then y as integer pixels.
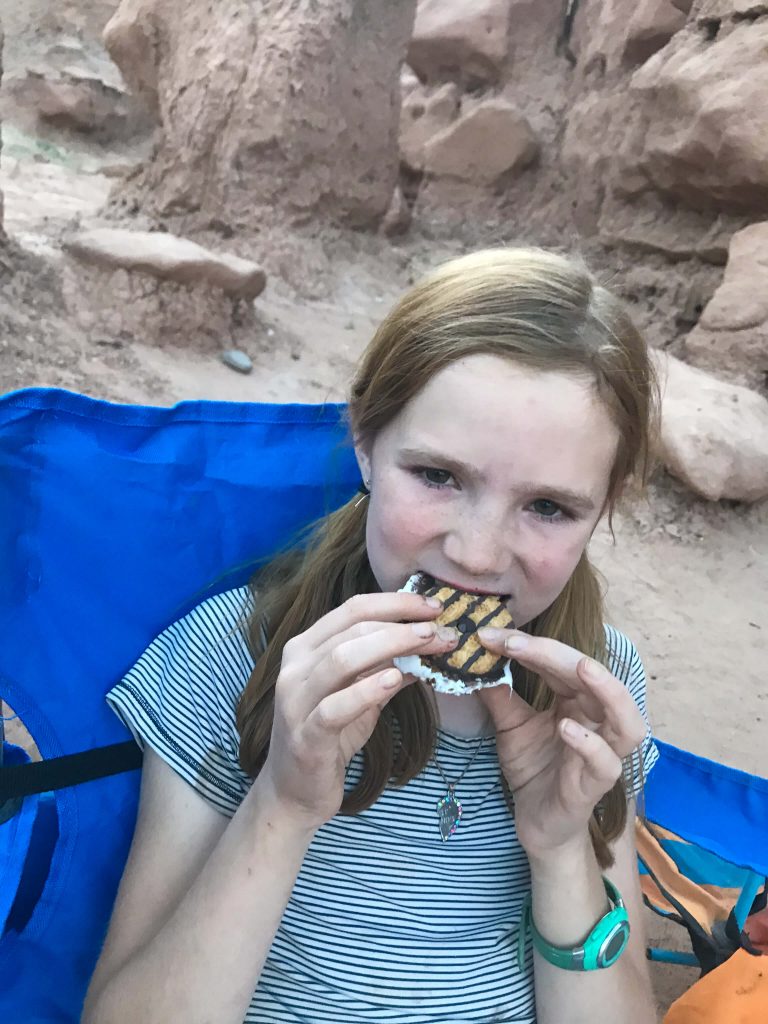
{"type": "Point", "coordinates": [363, 456]}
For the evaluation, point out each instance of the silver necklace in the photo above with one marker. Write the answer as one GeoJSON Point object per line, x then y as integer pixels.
{"type": "Point", "coordinates": [449, 809]}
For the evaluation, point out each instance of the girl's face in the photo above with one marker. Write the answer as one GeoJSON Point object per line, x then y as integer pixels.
{"type": "Point", "coordinates": [492, 479]}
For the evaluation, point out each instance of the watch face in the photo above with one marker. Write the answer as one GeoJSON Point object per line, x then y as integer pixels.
{"type": "Point", "coordinates": [613, 944]}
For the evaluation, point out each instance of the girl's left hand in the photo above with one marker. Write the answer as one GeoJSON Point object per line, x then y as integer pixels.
{"type": "Point", "coordinates": [558, 763]}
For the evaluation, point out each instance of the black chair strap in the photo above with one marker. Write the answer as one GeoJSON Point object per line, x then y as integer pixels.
{"type": "Point", "coordinates": [70, 770]}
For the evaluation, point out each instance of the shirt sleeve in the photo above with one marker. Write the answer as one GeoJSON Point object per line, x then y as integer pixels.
{"type": "Point", "coordinates": [180, 698]}
{"type": "Point", "coordinates": [625, 663]}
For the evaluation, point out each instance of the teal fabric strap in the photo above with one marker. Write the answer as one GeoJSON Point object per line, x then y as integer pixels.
{"type": "Point", "coordinates": [601, 948]}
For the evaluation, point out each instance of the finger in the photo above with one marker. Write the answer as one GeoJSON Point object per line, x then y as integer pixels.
{"type": "Point", "coordinates": [338, 710]}
{"type": "Point", "coordinates": [623, 725]}
{"type": "Point", "coordinates": [554, 661]}
{"type": "Point", "coordinates": [507, 708]}
{"type": "Point", "coordinates": [302, 662]}
{"type": "Point", "coordinates": [379, 607]}
{"type": "Point", "coordinates": [358, 630]}
{"type": "Point", "coordinates": [599, 767]}
{"type": "Point", "coordinates": [349, 659]}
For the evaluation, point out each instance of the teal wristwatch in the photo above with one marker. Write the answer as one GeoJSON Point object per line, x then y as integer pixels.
{"type": "Point", "coordinates": [601, 948]}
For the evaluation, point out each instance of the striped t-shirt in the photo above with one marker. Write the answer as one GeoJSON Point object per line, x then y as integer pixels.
{"type": "Point", "coordinates": [386, 922]}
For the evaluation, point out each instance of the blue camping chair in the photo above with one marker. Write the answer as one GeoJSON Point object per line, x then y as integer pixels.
{"type": "Point", "coordinates": [117, 520]}
{"type": "Point", "coordinates": [703, 853]}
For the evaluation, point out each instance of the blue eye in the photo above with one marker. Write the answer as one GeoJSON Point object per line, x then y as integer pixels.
{"type": "Point", "coordinates": [546, 509]}
{"type": "Point", "coordinates": [433, 477]}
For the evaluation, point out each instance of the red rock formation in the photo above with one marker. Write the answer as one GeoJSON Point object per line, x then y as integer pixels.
{"type": "Point", "coordinates": [456, 39]}
{"type": "Point", "coordinates": [634, 128]}
{"type": "Point", "coordinates": [490, 139]}
{"type": "Point", "coordinates": [732, 333]}
{"type": "Point", "coordinates": [704, 101]}
{"type": "Point", "coordinates": [714, 435]}
{"type": "Point", "coordinates": [286, 109]}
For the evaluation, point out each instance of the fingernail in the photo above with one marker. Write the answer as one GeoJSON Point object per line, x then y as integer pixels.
{"type": "Point", "coordinates": [569, 727]}
{"type": "Point", "coordinates": [518, 642]}
{"type": "Point", "coordinates": [593, 670]}
{"type": "Point", "coordinates": [433, 602]}
{"type": "Point", "coordinates": [425, 629]}
{"type": "Point", "coordinates": [447, 633]}
{"type": "Point", "coordinates": [490, 634]}
{"type": "Point", "coordinates": [390, 679]}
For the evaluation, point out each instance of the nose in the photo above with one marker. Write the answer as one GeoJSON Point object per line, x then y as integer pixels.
{"type": "Point", "coordinates": [478, 546]}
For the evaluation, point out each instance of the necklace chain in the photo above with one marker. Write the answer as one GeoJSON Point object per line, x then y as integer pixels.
{"type": "Point", "coordinates": [449, 809]}
{"type": "Point", "coordinates": [452, 785]}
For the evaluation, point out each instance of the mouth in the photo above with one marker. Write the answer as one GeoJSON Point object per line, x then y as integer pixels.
{"type": "Point", "coordinates": [434, 581]}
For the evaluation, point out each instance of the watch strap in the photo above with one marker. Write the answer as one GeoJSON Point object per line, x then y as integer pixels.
{"type": "Point", "coordinates": [601, 948]}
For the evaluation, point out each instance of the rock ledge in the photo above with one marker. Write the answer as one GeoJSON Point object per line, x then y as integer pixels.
{"type": "Point", "coordinates": [167, 256]}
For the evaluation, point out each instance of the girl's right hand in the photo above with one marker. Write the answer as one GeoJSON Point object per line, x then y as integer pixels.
{"type": "Point", "coordinates": [334, 681]}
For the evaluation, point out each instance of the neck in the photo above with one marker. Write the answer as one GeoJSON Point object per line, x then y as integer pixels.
{"type": "Point", "coordinates": [463, 715]}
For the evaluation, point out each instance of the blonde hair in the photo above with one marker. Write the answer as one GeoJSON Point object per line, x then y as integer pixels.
{"type": "Point", "coordinates": [546, 312]}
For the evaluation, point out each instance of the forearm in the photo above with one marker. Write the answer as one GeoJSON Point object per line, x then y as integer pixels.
{"type": "Point", "coordinates": [568, 899]}
{"type": "Point", "coordinates": [205, 961]}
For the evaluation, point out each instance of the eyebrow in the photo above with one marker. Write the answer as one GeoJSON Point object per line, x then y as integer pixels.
{"type": "Point", "coordinates": [563, 495]}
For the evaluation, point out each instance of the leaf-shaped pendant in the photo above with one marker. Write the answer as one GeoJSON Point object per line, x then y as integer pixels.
{"type": "Point", "coordinates": [448, 814]}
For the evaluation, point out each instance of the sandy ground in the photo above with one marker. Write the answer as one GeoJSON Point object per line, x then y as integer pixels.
{"type": "Point", "coordinates": [686, 579]}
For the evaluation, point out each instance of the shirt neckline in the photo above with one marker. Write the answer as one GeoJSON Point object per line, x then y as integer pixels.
{"type": "Point", "coordinates": [466, 742]}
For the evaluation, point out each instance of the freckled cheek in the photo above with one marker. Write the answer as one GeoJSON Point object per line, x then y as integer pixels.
{"type": "Point", "coordinates": [402, 530]}
{"type": "Point", "coordinates": [552, 562]}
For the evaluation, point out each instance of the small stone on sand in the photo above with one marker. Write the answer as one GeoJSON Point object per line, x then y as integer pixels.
{"type": "Point", "coordinates": [237, 360]}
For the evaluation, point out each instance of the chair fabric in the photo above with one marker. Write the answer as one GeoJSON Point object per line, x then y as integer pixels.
{"type": "Point", "coordinates": [703, 851]}
{"type": "Point", "coordinates": [117, 520]}
{"type": "Point", "coordinates": [17, 827]}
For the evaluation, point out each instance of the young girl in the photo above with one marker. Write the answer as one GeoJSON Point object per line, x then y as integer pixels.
{"type": "Point", "coordinates": [288, 863]}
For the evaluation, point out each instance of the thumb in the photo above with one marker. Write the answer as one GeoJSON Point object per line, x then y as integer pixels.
{"type": "Point", "coordinates": [507, 708]}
